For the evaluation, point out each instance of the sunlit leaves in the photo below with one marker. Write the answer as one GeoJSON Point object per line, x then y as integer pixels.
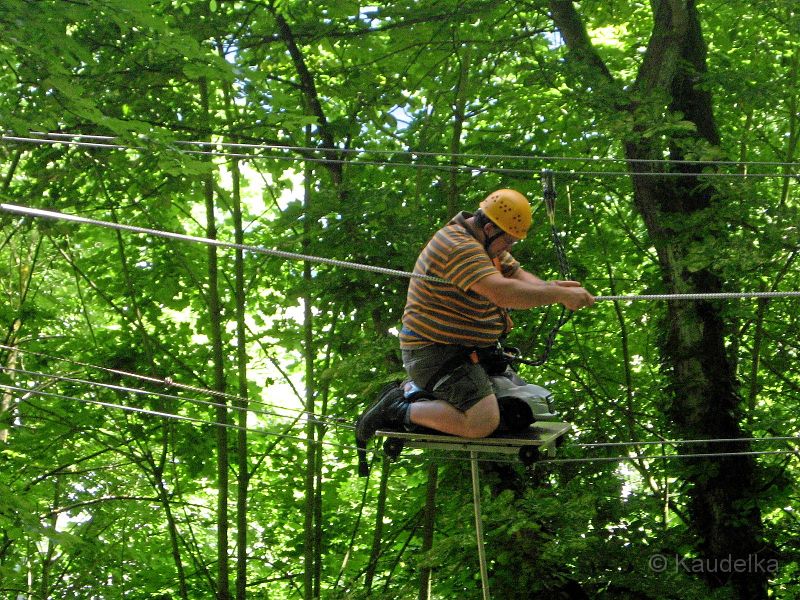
{"type": "Point", "coordinates": [386, 77]}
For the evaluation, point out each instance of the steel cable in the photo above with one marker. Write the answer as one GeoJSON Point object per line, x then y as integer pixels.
{"type": "Point", "coordinates": [439, 167]}
{"type": "Point", "coordinates": [47, 214]}
{"type": "Point", "coordinates": [110, 141]}
{"type": "Point", "coordinates": [170, 382]}
{"type": "Point", "coordinates": [168, 415]}
{"type": "Point", "coordinates": [162, 395]}
{"type": "Point", "coordinates": [597, 459]}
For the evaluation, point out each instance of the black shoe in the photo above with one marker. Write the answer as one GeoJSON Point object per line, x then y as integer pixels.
{"type": "Point", "coordinates": [389, 412]}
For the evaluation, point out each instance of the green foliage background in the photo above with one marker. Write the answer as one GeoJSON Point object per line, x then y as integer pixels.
{"type": "Point", "coordinates": [424, 106]}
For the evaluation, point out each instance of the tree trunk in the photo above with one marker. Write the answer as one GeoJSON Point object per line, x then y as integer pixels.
{"type": "Point", "coordinates": [172, 527]}
{"type": "Point", "coordinates": [334, 166]}
{"type": "Point", "coordinates": [7, 398]}
{"type": "Point", "coordinates": [26, 270]}
{"type": "Point", "coordinates": [50, 553]}
{"type": "Point", "coordinates": [428, 528]}
{"type": "Point", "coordinates": [309, 543]}
{"type": "Point", "coordinates": [308, 87]}
{"type": "Point", "coordinates": [459, 114]}
{"type": "Point", "coordinates": [242, 401]}
{"type": "Point", "coordinates": [243, 468]}
{"type": "Point", "coordinates": [705, 403]}
{"type": "Point", "coordinates": [218, 359]}
{"type": "Point", "coordinates": [375, 553]}
{"type": "Point", "coordinates": [794, 124]}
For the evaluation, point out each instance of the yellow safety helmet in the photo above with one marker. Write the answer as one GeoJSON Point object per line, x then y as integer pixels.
{"type": "Point", "coordinates": [510, 211]}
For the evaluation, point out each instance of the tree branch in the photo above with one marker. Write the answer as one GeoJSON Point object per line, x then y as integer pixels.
{"type": "Point", "coordinates": [572, 29]}
{"type": "Point", "coordinates": [670, 18]}
{"type": "Point", "coordinates": [310, 94]}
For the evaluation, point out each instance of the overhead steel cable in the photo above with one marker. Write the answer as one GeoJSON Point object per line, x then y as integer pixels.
{"type": "Point", "coordinates": [194, 420]}
{"type": "Point", "coordinates": [452, 456]}
{"type": "Point", "coordinates": [632, 457]}
{"type": "Point", "coordinates": [48, 214]}
{"type": "Point", "coordinates": [415, 165]}
{"type": "Point", "coordinates": [443, 154]}
{"type": "Point", "coordinates": [306, 159]}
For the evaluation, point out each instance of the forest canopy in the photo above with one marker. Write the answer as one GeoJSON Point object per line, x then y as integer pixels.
{"type": "Point", "coordinates": [180, 372]}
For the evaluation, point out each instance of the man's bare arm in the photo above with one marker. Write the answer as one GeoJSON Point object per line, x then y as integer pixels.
{"type": "Point", "coordinates": [528, 291]}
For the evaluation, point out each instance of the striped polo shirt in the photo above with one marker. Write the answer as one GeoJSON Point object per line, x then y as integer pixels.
{"type": "Point", "coordinates": [450, 313]}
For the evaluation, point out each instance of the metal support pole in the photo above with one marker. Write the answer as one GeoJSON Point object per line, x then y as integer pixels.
{"type": "Point", "coordinates": [476, 499]}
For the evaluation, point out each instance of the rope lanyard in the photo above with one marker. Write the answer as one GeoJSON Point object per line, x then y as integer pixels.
{"type": "Point", "coordinates": [549, 197]}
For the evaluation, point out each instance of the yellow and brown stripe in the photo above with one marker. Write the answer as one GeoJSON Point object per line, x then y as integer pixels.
{"type": "Point", "coordinates": [450, 313]}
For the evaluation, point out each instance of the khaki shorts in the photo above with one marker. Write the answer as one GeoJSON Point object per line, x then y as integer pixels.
{"type": "Point", "coordinates": [462, 387]}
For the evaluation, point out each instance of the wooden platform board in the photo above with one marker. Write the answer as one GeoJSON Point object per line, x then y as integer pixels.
{"type": "Point", "coordinates": [540, 438]}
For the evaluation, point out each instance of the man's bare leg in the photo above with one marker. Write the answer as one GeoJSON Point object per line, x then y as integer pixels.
{"type": "Point", "coordinates": [478, 421]}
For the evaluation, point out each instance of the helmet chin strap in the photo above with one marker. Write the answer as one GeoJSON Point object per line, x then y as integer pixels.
{"type": "Point", "coordinates": [490, 240]}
